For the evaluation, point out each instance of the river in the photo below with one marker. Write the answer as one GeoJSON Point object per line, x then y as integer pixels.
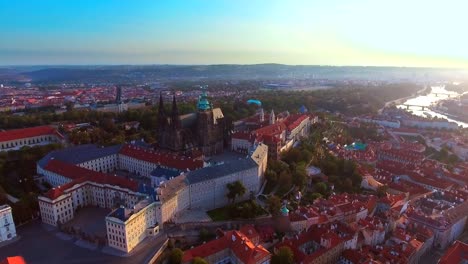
{"type": "Point", "coordinates": [428, 100]}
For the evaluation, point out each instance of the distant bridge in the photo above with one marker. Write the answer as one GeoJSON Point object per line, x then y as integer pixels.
{"type": "Point", "coordinates": [420, 106]}
{"type": "Point", "coordinates": [446, 94]}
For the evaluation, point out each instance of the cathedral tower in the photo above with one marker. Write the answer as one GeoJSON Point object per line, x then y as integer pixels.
{"type": "Point", "coordinates": [272, 117]}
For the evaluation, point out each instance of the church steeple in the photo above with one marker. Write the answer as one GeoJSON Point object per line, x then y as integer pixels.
{"type": "Point", "coordinates": [272, 117]}
{"type": "Point", "coordinates": [175, 120]}
{"type": "Point", "coordinates": [118, 96]}
{"type": "Point", "coordinates": [162, 118]}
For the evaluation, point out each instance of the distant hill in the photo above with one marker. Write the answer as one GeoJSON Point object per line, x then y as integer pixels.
{"type": "Point", "coordinates": [149, 73]}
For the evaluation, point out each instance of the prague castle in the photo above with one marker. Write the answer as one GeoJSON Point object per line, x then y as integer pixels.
{"type": "Point", "coordinates": [181, 180]}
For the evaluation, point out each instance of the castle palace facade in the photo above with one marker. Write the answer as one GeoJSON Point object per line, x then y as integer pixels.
{"type": "Point", "coordinates": [202, 130]}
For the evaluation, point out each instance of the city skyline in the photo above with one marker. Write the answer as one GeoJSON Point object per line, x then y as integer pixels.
{"type": "Point", "coordinates": [343, 33]}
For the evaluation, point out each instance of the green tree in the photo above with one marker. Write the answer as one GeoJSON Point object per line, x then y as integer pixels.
{"type": "Point", "coordinates": [235, 189]}
{"type": "Point", "coordinates": [176, 256]}
{"type": "Point", "coordinates": [310, 197]}
{"type": "Point", "coordinates": [382, 191]}
{"type": "Point", "coordinates": [274, 205]}
{"type": "Point", "coordinates": [284, 255]}
{"type": "Point", "coordinates": [300, 176]}
{"type": "Point", "coordinates": [321, 188]}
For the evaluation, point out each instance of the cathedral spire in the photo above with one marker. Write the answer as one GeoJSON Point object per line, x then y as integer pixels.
{"type": "Point", "coordinates": [262, 115]}
{"type": "Point", "coordinates": [175, 120]}
{"type": "Point", "coordinates": [162, 118]}
{"type": "Point", "coordinates": [272, 117]}
{"type": "Point", "coordinates": [118, 96]}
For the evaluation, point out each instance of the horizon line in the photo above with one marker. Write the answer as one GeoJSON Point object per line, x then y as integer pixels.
{"type": "Point", "coordinates": [227, 64]}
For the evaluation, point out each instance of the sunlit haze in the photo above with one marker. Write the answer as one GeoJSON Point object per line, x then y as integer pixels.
{"type": "Point", "coordinates": [333, 32]}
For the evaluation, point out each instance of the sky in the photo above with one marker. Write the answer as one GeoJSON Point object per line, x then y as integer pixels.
{"type": "Point", "coordinates": [410, 33]}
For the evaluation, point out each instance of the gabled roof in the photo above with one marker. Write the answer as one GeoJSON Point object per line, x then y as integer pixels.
{"type": "Point", "coordinates": [457, 253]}
{"type": "Point", "coordinates": [13, 260]}
{"type": "Point", "coordinates": [295, 120]}
{"type": "Point", "coordinates": [170, 160]}
{"type": "Point", "coordinates": [80, 154]}
{"type": "Point", "coordinates": [239, 244]}
{"type": "Point", "coordinates": [28, 132]}
{"type": "Point", "coordinates": [214, 172]}
{"type": "Point", "coordinates": [79, 175]}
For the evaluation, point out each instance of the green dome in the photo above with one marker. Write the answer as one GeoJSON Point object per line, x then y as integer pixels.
{"type": "Point", "coordinates": [284, 210]}
{"type": "Point", "coordinates": [203, 103]}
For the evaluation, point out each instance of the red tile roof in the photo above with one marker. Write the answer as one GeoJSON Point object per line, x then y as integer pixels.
{"type": "Point", "coordinates": [274, 129]}
{"type": "Point", "coordinates": [457, 253]}
{"type": "Point", "coordinates": [239, 244]}
{"type": "Point", "coordinates": [250, 232]}
{"type": "Point", "coordinates": [27, 133]}
{"type": "Point", "coordinates": [165, 159]}
{"type": "Point", "coordinates": [313, 234]}
{"type": "Point", "coordinates": [13, 260]}
{"type": "Point", "coordinates": [80, 175]}
{"type": "Point", "coordinates": [295, 120]}
{"type": "Point", "coordinates": [242, 135]}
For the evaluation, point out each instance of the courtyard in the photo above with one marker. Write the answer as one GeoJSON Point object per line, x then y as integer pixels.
{"type": "Point", "coordinates": [89, 221]}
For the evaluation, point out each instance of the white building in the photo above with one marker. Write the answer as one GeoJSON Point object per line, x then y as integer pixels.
{"type": "Point", "coordinates": [89, 156]}
{"type": "Point", "coordinates": [420, 123]}
{"type": "Point", "coordinates": [206, 188]}
{"type": "Point", "coordinates": [84, 187]}
{"type": "Point", "coordinates": [32, 136]}
{"type": "Point", "coordinates": [142, 161]}
{"type": "Point", "coordinates": [380, 121]}
{"type": "Point", "coordinates": [7, 226]}
{"type": "Point", "coordinates": [79, 182]}
{"type": "Point", "coordinates": [126, 228]}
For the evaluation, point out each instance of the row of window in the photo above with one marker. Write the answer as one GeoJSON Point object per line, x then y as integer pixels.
{"type": "Point", "coordinates": [25, 142]}
{"type": "Point", "coordinates": [116, 244]}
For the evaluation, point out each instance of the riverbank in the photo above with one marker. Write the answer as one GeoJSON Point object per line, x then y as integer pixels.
{"type": "Point", "coordinates": [429, 100]}
{"type": "Point", "coordinates": [403, 99]}
{"type": "Point", "coordinates": [452, 116]}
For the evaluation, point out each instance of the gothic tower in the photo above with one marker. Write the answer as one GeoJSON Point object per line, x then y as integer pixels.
{"type": "Point", "coordinates": [262, 115]}
{"type": "Point", "coordinates": [175, 119]}
{"type": "Point", "coordinates": [162, 122]}
{"type": "Point", "coordinates": [162, 118]}
{"type": "Point", "coordinates": [272, 117]}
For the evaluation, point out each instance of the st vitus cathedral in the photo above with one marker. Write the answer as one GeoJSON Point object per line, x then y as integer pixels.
{"type": "Point", "coordinates": [202, 130]}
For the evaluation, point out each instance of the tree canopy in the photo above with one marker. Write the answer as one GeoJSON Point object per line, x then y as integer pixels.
{"type": "Point", "coordinates": [176, 256]}
{"type": "Point", "coordinates": [284, 255]}
{"type": "Point", "coordinates": [235, 189]}
{"type": "Point", "coordinates": [274, 205]}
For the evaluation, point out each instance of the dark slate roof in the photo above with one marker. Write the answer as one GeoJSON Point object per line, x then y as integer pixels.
{"type": "Point", "coordinates": [80, 154]}
{"type": "Point", "coordinates": [163, 172]}
{"type": "Point", "coordinates": [148, 190]}
{"type": "Point", "coordinates": [214, 172]}
{"type": "Point", "coordinates": [188, 120]}
{"type": "Point", "coordinates": [119, 213]}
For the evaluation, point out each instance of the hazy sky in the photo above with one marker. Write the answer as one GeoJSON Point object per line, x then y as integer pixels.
{"type": "Point", "coordinates": [328, 32]}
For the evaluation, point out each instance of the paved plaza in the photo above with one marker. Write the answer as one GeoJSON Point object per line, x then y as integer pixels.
{"type": "Point", "coordinates": [90, 220]}
{"type": "Point", "coordinates": [42, 244]}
